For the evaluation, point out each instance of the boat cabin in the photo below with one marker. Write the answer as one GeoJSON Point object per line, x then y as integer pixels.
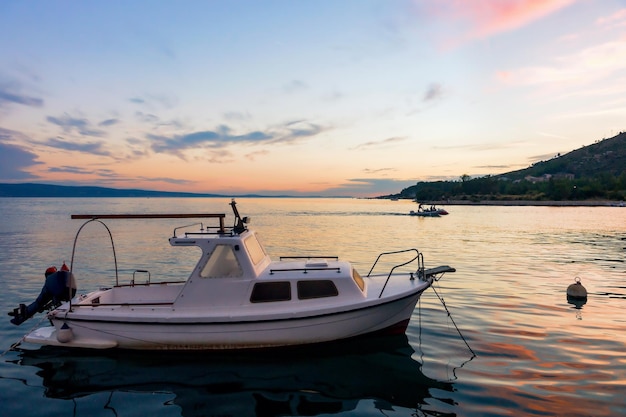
{"type": "Point", "coordinates": [234, 265]}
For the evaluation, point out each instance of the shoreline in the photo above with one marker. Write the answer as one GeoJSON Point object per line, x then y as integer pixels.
{"type": "Point", "coordinates": [547, 203]}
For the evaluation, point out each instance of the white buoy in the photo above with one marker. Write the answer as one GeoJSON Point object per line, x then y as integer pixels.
{"type": "Point", "coordinates": [64, 334]}
{"type": "Point", "coordinates": [576, 290]}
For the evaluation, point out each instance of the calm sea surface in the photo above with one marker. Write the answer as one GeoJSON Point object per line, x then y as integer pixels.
{"type": "Point", "coordinates": [536, 354]}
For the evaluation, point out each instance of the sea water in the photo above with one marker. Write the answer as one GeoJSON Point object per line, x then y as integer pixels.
{"type": "Point", "coordinates": [520, 349]}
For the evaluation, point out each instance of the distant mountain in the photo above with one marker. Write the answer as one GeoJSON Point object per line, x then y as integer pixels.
{"type": "Point", "coordinates": [48, 190]}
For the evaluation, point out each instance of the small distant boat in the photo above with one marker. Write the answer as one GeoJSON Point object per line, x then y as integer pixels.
{"type": "Point", "coordinates": [236, 297]}
{"type": "Point", "coordinates": [431, 211]}
{"type": "Point", "coordinates": [424, 213]}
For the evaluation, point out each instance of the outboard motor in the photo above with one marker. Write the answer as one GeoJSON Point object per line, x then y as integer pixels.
{"type": "Point", "coordinates": [59, 286]}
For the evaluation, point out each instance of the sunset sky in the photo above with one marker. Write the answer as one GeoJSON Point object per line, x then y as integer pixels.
{"type": "Point", "coordinates": [320, 97]}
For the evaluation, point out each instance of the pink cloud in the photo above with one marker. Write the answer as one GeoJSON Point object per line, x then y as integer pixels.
{"type": "Point", "coordinates": [597, 62]}
{"type": "Point", "coordinates": [617, 18]}
{"type": "Point", "coordinates": [484, 18]}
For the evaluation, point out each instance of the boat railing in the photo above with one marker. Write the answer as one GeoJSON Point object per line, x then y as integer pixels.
{"type": "Point", "coordinates": [141, 271]}
{"type": "Point", "coordinates": [148, 284]}
{"type": "Point", "coordinates": [217, 229]}
{"type": "Point", "coordinates": [420, 265]}
{"type": "Point", "coordinates": [95, 303]}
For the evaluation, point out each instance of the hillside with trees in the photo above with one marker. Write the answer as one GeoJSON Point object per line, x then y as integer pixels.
{"type": "Point", "coordinates": [594, 172]}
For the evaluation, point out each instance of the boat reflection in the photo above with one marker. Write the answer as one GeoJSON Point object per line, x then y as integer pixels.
{"type": "Point", "coordinates": [304, 381]}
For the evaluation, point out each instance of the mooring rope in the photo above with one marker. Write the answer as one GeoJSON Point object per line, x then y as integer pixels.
{"type": "Point", "coordinates": [443, 303]}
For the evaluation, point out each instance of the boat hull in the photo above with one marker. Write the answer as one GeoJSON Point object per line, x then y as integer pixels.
{"type": "Point", "coordinates": [390, 316]}
{"type": "Point", "coordinates": [424, 213]}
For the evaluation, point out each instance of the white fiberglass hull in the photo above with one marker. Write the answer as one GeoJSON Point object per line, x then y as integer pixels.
{"type": "Point", "coordinates": [388, 315]}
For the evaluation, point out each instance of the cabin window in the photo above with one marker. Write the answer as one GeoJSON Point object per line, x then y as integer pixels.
{"type": "Point", "coordinates": [254, 248]}
{"type": "Point", "coordinates": [358, 279]}
{"type": "Point", "coordinates": [316, 289]}
{"type": "Point", "coordinates": [222, 263]}
{"type": "Point", "coordinates": [265, 292]}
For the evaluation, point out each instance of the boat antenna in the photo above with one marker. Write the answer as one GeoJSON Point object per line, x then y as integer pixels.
{"type": "Point", "coordinates": [240, 222]}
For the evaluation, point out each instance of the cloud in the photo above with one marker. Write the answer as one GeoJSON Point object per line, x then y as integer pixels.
{"type": "Point", "coordinates": [220, 156]}
{"type": "Point", "coordinates": [369, 187]}
{"type": "Point", "coordinates": [616, 19]}
{"type": "Point", "coordinates": [333, 96]}
{"type": "Point", "coordinates": [552, 135]}
{"type": "Point", "coordinates": [223, 136]}
{"type": "Point", "coordinates": [237, 115]}
{"type": "Point", "coordinates": [7, 135]}
{"type": "Point", "coordinates": [379, 170]}
{"type": "Point", "coordinates": [587, 65]}
{"type": "Point", "coordinates": [482, 19]}
{"type": "Point", "coordinates": [94, 148]}
{"type": "Point", "coordinates": [155, 100]}
{"type": "Point", "coordinates": [8, 97]}
{"type": "Point", "coordinates": [14, 160]}
{"type": "Point", "coordinates": [433, 92]}
{"type": "Point", "coordinates": [253, 155]}
{"type": "Point", "coordinates": [505, 15]}
{"type": "Point", "coordinates": [108, 122]}
{"type": "Point", "coordinates": [295, 130]}
{"type": "Point", "coordinates": [480, 147]}
{"type": "Point", "coordinates": [380, 143]}
{"type": "Point", "coordinates": [146, 117]}
{"type": "Point", "coordinates": [295, 86]}
{"type": "Point", "coordinates": [71, 124]}
{"type": "Point", "coordinates": [176, 181]}
{"type": "Point", "coordinates": [106, 177]}
{"type": "Point", "coordinates": [497, 167]}
{"type": "Point", "coordinates": [70, 170]}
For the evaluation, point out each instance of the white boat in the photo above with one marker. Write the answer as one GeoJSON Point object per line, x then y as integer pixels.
{"type": "Point", "coordinates": [425, 213]}
{"type": "Point", "coordinates": [236, 297]}
{"type": "Point", "coordinates": [431, 211]}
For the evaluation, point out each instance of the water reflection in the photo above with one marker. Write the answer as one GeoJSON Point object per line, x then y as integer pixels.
{"type": "Point", "coordinates": [302, 381]}
{"type": "Point", "coordinates": [578, 303]}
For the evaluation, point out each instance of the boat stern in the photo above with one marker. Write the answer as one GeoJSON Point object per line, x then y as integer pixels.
{"type": "Point", "coordinates": [64, 336]}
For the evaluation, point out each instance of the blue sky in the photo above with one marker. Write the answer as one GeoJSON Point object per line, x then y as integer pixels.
{"type": "Point", "coordinates": [361, 97]}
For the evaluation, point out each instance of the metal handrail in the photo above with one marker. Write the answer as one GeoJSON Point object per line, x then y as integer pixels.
{"type": "Point", "coordinates": [417, 256]}
{"type": "Point", "coordinates": [141, 271]}
{"type": "Point", "coordinates": [188, 225]}
{"type": "Point", "coordinates": [74, 252]}
{"type": "Point", "coordinates": [219, 216]}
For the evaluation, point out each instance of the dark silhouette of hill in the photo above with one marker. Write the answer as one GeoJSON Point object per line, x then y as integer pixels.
{"type": "Point", "coordinates": [49, 190]}
{"type": "Point", "coordinates": [66, 191]}
{"type": "Point", "coordinates": [607, 156]}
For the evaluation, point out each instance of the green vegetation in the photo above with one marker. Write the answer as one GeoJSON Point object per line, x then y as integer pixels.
{"type": "Point", "coordinates": [595, 172]}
